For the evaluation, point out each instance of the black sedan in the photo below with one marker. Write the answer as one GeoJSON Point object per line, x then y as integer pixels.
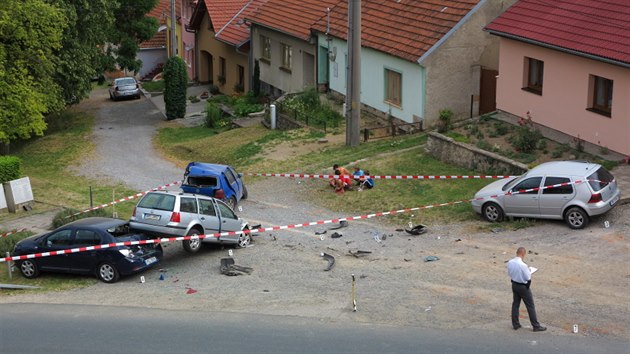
{"type": "Point", "coordinates": [108, 264]}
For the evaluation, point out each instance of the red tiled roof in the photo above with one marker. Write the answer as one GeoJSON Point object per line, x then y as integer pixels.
{"type": "Point", "coordinates": [403, 28]}
{"type": "Point", "coordinates": [599, 28]}
{"type": "Point", "coordinates": [294, 17]}
{"type": "Point", "coordinates": [160, 12]}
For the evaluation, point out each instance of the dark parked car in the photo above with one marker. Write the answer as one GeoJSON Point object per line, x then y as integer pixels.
{"type": "Point", "coordinates": [124, 87]}
{"type": "Point", "coordinates": [108, 264]}
{"type": "Point", "coordinates": [214, 180]}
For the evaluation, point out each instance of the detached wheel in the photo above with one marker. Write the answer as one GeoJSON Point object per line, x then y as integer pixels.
{"type": "Point", "coordinates": [29, 269]}
{"type": "Point", "coordinates": [194, 244]}
{"type": "Point", "coordinates": [231, 202]}
{"type": "Point", "coordinates": [107, 273]}
{"type": "Point", "coordinates": [576, 218]}
{"type": "Point", "coordinates": [492, 212]}
{"type": "Point", "coordinates": [244, 239]}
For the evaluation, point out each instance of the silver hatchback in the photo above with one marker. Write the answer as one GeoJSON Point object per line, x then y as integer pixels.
{"type": "Point", "coordinates": [124, 87]}
{"type": "Point", "coordinates": [168, 214]}
{"type": "Point", "coordinates": [585, 190]}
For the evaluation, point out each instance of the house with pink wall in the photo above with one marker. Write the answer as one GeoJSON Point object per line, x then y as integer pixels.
{"type": "Point", "coordinates": [566, 65]}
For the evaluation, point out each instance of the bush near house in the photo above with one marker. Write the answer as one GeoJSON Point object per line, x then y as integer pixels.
{"type": "Point", "coordinates": [9, 168]}
{"type": "Point", "coordinates": [176, 81]}
{"type": "Point", "coordinates": [307, 107]}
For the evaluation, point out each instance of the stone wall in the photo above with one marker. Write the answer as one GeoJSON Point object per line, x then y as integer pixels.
{"type": "Point", "coordinates": [448, 150]}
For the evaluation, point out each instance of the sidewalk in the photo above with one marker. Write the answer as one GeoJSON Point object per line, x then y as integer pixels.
{"type": "Point", "coordinates": [194, 111]}
{"type": "Point", "coordinates": [622, 175]}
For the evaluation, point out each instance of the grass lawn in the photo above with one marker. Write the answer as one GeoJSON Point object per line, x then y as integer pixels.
{"type": "Point", "coordinates": [244, 148]}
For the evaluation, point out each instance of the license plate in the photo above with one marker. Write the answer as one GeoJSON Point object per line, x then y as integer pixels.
{"type": "Point", "coordinates": [150, 260]}
{"type": "Point", "coordinates": [614, 201]}
{"type": "Point", "coordinates": [151, 217]}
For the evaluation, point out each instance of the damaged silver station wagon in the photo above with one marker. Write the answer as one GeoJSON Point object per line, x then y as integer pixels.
{"type": "Point", "coordinates": [587, 189]}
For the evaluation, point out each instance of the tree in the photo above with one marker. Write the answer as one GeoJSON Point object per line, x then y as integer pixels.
{"type": "Point", "coordinates": [175, 83]}
{"type": "Point", "coordinates": [81, 56]}
{"type": "Point", "coordinates": [131, 27]}
{"type": "Point", "coordinates": [31, 33]}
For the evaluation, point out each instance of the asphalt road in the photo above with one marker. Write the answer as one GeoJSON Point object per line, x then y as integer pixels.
{"type": "Point", "coordinates": [36, 328]}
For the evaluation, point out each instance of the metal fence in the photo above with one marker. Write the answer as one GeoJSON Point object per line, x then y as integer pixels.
{"type": "Point", "coordinates": [392, 130]}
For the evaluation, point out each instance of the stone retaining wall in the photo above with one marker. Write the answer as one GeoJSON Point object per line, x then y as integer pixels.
{"type": "Point", "coordinates": [448, 150]}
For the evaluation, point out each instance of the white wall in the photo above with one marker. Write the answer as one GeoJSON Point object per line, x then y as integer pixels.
{"type": "Point", "coordinates": [373, 65]}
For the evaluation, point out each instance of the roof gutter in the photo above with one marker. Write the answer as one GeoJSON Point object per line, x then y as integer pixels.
{"type": "Point", "coordinates": [561, 49]}
{"type": "Point", "coordinates": [451, 32]}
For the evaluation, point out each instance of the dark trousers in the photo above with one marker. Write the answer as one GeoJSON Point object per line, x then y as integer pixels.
{"type": "Point", "coordinates": [521, 291]}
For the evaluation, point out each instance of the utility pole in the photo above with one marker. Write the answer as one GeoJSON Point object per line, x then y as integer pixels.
{"type": "Point", "coordinates": [173, 30]}
{"type": "Point", "coordinates": [353, 85]}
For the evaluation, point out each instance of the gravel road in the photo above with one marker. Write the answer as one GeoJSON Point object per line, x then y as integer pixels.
{"type": "Point", "coordinates": [583, 278]}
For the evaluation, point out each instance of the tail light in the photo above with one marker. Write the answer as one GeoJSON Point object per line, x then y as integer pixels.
{"type": "Point", "coordinates": [175, 217]}
{"type": "Point", "coordinates": [595, 198]}
{"type": "Point", "coordinates": [219, 194]}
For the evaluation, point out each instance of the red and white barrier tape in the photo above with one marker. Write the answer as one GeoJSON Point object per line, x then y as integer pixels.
{"type": "Point", "coordinates": [273, 228]}
{"type": "Point", "coordinates": [304, 175]}
{"type": "Point", "coordinates": [12, 232]}
{"type": "Point", "coordinates": [124, 199]}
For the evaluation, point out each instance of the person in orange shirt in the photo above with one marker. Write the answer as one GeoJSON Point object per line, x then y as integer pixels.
{"type": "Point", "coordinates": [343, 172]}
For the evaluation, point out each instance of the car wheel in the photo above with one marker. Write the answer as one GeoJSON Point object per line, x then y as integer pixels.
{"type": "Point", "coordinates": [107, 273]}
{"type": "Point", "coordinates": [29, 269]}
{"type": "Point", "coordinates": [194, 244]}
{"type": "Point", "coordinates": [576, 218]}
{"type": "Point", "coordinates": [244, 192]}
{"type": "Point", "coordinates": [231, 202]}
{"type": "Point", "coordinates": [492, 212]}
{"type": "Point", "coordinates": [244, 239]}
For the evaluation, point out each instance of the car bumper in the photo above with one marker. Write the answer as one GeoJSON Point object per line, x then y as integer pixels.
{"type": "Point", "coordinates": [138, 264]}
{"type": "Point", "coordinates": [604, 206]}
{"type": "Point", "coordinates": [128, 93]}
{"type": "Point", "coordinates": [158, 231]}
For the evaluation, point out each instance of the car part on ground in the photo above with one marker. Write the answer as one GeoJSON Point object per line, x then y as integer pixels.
{"type": "Point", "coordinates": [330, 259]}
{"type": "Point", "coordinates": [169, 213]}
{"type": "Point", "coordinates": [229, 268]}
{"type": "Point", "coordinates": [215, 180]}
{"type": "Point", "coordinates": [573, 191]}
{"type": "Point", "coordinates": [108, 264]}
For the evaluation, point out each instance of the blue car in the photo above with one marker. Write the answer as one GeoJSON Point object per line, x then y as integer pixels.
{"type": "Point", "coordinates": [108, 264]}
{"type": "Point", "coordinates": [214, 180]}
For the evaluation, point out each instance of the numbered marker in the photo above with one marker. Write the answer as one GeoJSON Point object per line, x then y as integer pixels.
{"type": "Point", "coordinates": [410, 225]}
{"type": "Point", "coordinates": [321, 237]}
{"type": "Point", "coordinates": [230, 253]}
{"type": "Point", "coordinates": [142, 279]}
{"type": "Point", "coordinates": [606, 224]}
{"type": "Point", "coordinates": [240, 208]}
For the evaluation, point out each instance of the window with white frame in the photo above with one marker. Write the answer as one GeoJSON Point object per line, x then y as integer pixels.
{"type": "Point", "coordinates": [265, 48]}
{"type": "Point", "coordinates": [393, 87]}
{"type": "Point", "coordinates": [287, 56]}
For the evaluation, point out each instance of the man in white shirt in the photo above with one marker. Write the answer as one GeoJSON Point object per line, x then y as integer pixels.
{"type": "Point", "coordinates": [521, 277]}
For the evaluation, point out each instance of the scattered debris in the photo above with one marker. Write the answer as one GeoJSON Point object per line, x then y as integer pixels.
{"type": "Point", "coordinates": [190, 291]}
{"type": "Point", "coordinates": [330, 259]}
{"type": "Point", "coordinates": [459, 239]}
{"type": "Point", "coordinates": [349, 242]}
{"type": "Point", "coordinates": [229, 268]}
{"type": "Point", "coordinates": [336, 235]}
{"type": "Point", "coordinates": [320, 232]}
{"type": "Point", "coordinates": [273, 237]}
{"type": "Point", "coordinates": [428, 309]}
{"type": "Point", "coordinates": [431, 258]}
{"type": "Point", "coordinates": [417, 230]}
{"type": "Point", "coordinates": [406, 260]}
{"type": "Point", "coordinates": [17, 287]}
{"type": "Point", "coordinates": [497, 230]}
{"type": "Point", "coordinates": [459, 253]}
{"type": "Point", "coordinates": [384, 237]}
{"type": "Point", "coordinates": [362, 276]}
{"type": "Point", "coordinates": [342, 223]}
{"type": "Point", "coordinates": [400, 230]}
{"type": "Point", "coordinates": [354, 294]}
{"type": "Point", "coordinates": [265, 291]}
{"type": "Point", "coordinates": [359, 253]}
{"type": "Point", "coordinates": [161, 276]}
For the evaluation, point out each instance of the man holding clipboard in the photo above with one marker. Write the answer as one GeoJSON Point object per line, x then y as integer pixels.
{"type": "Point", "coordinates": [521, 276]}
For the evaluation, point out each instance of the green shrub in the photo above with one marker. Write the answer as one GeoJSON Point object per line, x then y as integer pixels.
{"type": "Point", "coordinates": [9, 168]}
{"type": "Point", "coordinates": [239, 88]}
{"type": "Point", "coordinates": [214, 89]}
{"type": "Point", "coordinates": [526, 136]}
{"type": "Point", "coordinates": [7, 244]}
{"type": "Point", "coordinates": [445, 120]}
{"type": "Point", "coordinates": [458, 137]}
{"type": "Point", "coordinates": [176, 82]}
{"type": "Point", "coordinates": [65, 216]}
{"type": "Point", "coordinates": [214, 115]}
{"type": "Point", "coordinates": [500, 128]}
{"type": "Point", "coordinates": [327, 116]}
